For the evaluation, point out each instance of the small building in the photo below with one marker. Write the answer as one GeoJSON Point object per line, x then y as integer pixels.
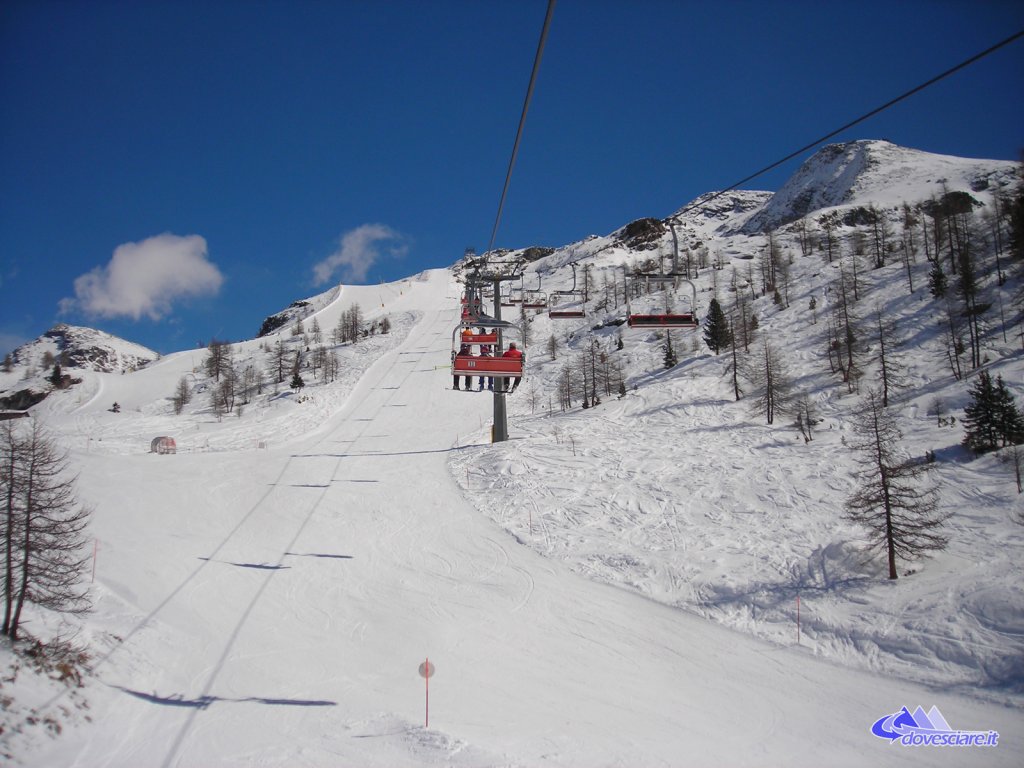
{"type": "Point", "coordinates": [163, 444]}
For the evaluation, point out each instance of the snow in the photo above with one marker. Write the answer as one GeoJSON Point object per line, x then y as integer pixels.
{"type": "Point", "coordinates": [611, 586]}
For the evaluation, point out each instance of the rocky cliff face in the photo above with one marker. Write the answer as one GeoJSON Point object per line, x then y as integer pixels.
{"type": "Point", "coordinates": [76, 347]}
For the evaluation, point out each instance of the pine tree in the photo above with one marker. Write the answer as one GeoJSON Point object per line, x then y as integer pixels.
{"type": "Point", "coordinates": [670, 354]}
{"type": "Point", "coordinates": [1011, 422]}
{"type": "Point", "coordinates": [937, 282]}
{"type": "Point", "coordinates": [901, 518]}
{"type": "Point", "coordinates": [297, 382]}
{"type": "Point", "coordinates": [992, 419]}
{"type": "Point", "coordinates": [717, 334]}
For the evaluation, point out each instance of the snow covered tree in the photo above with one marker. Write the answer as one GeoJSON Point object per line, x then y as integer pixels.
{"type": "Point", "coordinates": [992, 419]}
{"type": "Point", "coordinates": [901, 518]}
{"type": "Point", "coordinates": [717, 334]}
{"type": "Point", "coordinates": [42, 526]}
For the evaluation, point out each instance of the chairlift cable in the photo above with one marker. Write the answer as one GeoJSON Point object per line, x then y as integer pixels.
{"type": "Point", "coordinates": [859, 120]}
{"type": "Point", "coordinates": [522, 120]}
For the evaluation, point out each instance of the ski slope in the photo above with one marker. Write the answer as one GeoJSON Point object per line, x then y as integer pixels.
{"type": "Point", "coordinates": [270, 607]}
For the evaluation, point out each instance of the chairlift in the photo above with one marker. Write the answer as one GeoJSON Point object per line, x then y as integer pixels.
{"type": "Point", "coordinates": [565, 305]}
{"type": "Point", "coordinates": [534, 298]}
{"type": "Point", "coordinates": [472, 303]}
{"type": "Point", "coordinates": [475, 362]}
{"type": "Point", "coordinates": [512, 297]}
{"type": "Point", "coordinates": [667, 317]}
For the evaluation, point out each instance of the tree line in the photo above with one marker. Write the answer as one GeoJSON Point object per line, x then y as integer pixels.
{"type": "Point", "coordinates": [231, 385]}
{"type": "Point", "coordinates": [969, 257]}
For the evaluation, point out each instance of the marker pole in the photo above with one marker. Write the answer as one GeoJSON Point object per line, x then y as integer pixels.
{"type": "Point", "coordinates": [798, 619]}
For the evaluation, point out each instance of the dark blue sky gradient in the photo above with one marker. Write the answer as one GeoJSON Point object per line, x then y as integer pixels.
{"type": "Point", "coordinates": [273, 128]}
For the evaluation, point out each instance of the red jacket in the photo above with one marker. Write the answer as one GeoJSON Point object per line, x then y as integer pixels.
{"type": "Point", "coordinates": [513, 352]}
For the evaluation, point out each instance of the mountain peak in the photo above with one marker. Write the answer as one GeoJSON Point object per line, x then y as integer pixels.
{"type": "Point", "coordinates": [78, 347]}
{"type": "Point", "coordinates": [875, 171]}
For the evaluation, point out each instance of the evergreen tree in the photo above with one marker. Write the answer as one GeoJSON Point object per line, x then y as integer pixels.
{"type": "Point", "coordinates": [297, 382]}
{"type": "Point", "coordinates": [670, 354]}
{"type": "Point", "coordinates": [1011, 422]}
{"type": "Point", "coordinates": [717, 334]}
{"type": "Point", "coordinates": [937, 283]}
{"type": "Point", "coordinates": [992, 419]}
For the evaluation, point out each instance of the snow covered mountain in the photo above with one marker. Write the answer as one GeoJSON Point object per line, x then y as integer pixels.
{"type": "Point", "coordinates": [876, 173]}
{"type": "Point", "coordinates": [76, 347]}
{"type": "Point", "coordinates": [620, 584]}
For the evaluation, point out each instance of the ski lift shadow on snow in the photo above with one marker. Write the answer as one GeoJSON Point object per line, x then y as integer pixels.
{"type": "Point", "coordinates": [203, 702]}
{"type": "Point", "coordinates": [256, 566]}
{"type": "Point", "coordinates": [319, 554]}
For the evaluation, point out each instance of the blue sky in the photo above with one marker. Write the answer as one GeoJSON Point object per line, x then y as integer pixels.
{"type": "Point", "coordinates": [173, 172]}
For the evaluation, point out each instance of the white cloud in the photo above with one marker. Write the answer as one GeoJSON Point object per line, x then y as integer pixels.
{"type": "Point", "coordinates": [145, 278]}
{"type": "Point", "coordinates": [358, 250]}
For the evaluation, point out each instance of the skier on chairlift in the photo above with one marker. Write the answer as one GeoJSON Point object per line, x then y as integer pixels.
{"type": "Point", "coordinates": [464, 351]}
{"type": "Point", "coordinates": [513, 352]}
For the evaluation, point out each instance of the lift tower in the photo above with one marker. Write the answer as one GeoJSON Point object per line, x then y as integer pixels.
{"type": "Point", "coordinates": [495, 274]}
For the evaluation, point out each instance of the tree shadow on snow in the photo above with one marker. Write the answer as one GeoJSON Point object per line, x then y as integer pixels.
{"type": "Point", "coordinates": [834, 569]}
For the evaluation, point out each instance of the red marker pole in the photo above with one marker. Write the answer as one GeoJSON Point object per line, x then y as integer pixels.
{"type": "Point", "coordinates": [798, 619]}
{"type": "Point", "coordinates": [426, 670]}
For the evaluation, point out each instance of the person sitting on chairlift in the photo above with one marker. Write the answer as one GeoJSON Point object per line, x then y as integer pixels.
{"type": "Point", "coordinates": [485, 351]}
{"type": "Point", "coordinates": [513, 352]}
{"type": "Point", "coordinates": [463, 352]}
